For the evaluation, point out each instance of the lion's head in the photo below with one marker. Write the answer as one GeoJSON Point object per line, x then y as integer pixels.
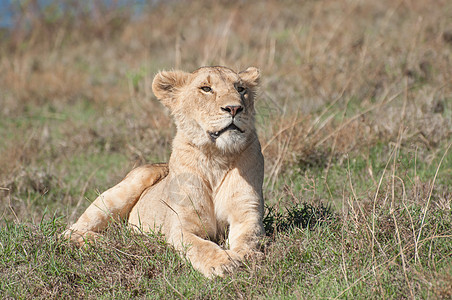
{"type": "Point", "coordinates": [212, 106]}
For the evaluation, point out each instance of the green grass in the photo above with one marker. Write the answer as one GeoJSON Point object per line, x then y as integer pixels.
{"type": "Point", "coordinates": [311, 251]}
{"type": "Point", "coordinates": [302, 262]}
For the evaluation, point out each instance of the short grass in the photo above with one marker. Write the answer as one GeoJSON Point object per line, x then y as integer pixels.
{"type": "Point", "coordinates": [354, 116]}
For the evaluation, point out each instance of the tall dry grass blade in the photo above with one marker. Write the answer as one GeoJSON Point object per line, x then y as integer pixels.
{"type": "Point", "coordinates": [428, 203]}
{"type": "Point", "coordinates": [399, 240]}
{"type": "Point", "coordinates": [81, 198]}
{"type": "Point", "coordinates": [333, 147]}
{"type": "Point", "coordinates": [374, 202]}
{"type": "Point", "coordinates": [177, 53]}
{"type": "Point", "coordinates": [172, 287]}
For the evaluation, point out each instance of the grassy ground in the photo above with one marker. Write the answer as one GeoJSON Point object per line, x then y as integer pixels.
{"type": "Point", "coordinates": [355, 119]}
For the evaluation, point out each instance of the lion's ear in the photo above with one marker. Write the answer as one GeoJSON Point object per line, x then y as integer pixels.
{"type": "Point", "coordinates": [251, 76]}
{"type": "Point", "coordinates": [166, 85]}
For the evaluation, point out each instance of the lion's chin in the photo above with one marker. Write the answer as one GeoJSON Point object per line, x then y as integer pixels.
{"type": "Point", "coordinates": [231, 141]}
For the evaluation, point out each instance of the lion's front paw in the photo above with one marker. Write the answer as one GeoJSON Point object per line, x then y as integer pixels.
{"type": "Point", "coordinates": [224, 262]}
{"type": "Point", "coordinates": [79, 238]}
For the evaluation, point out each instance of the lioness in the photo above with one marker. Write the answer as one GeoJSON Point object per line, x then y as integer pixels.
{"type": "Point", "coordinates": [212, 183]}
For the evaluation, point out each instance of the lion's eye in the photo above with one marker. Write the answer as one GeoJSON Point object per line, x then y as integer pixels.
{"type": "Point", "coordinates": [206, 89]}
{"type": "Point", "coordinates": [241, 89]}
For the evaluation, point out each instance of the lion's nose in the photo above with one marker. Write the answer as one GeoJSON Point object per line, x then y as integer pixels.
{"type": "Point", "coordinates": [233, 109]}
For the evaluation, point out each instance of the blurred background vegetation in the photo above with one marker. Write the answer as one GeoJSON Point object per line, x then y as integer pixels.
{"type": "Point", "coordinates": [354, 116]}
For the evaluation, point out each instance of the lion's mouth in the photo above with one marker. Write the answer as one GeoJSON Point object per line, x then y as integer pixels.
{"type": "Point", "coordinates": [216, 134]}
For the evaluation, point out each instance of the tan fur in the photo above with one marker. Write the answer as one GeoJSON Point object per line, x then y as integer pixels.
{"type": "Point", "coordinates": [212, 183]}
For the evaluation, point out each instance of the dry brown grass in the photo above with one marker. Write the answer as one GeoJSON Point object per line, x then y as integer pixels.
{"type": "Point", "coordinates": [355, 112]}
{"type": "Point", "coordinates": [336, 75]}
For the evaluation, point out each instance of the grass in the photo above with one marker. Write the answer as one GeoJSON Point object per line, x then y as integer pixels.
{"type": "Point", "coordinates": [354, 116]}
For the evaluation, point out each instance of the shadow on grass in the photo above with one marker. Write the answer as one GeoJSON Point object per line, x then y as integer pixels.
{"type": "Point", "coordinates": [302, 215]}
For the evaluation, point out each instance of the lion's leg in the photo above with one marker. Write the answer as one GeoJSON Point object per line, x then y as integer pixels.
{"type": "Point", "coordinates": [244, 205]}
{"type": "Point", "coordinates": [115, 203]}
{"type": "Point", "coordinates": [189, 228]}
{"type": "Point", "coordinates": [244, 236]}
